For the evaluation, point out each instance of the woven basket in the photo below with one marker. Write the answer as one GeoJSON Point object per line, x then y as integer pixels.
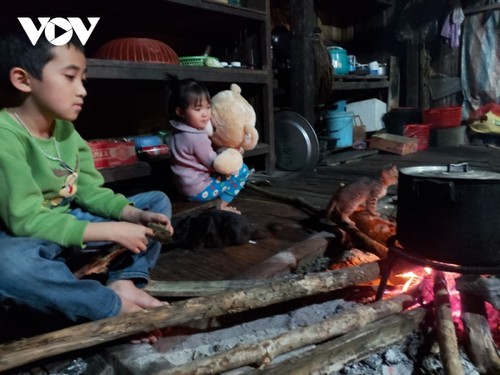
{"type": "Point", "coordinates": [444, 117]}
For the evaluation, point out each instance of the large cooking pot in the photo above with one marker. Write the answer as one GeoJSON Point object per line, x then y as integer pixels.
{"type": "Point", "coordinates": [450, 214]}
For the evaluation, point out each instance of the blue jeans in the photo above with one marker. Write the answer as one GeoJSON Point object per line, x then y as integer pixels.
{"type": "Point", "coordinates": [33, 272]}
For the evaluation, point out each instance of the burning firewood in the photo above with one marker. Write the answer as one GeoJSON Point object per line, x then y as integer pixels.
{"type": "Point", "coordinates": [377, 228]}
{"type": "Point", "coordinates": [479, 342]}
{"type": "Point", "coordinates": [447, 337]}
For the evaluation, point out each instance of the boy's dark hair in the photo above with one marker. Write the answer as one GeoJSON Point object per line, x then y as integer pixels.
{"type": "Point", "coordinates": [182, 93]}
{"type": "Point", "coordinates": [17, 50]}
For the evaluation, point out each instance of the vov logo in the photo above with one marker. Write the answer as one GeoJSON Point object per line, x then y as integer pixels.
{"type": "Point", "coordinates": [50, 25]}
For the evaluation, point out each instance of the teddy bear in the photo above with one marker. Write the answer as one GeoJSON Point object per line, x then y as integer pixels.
{"type": "Point", "coordinates": [233, 129]}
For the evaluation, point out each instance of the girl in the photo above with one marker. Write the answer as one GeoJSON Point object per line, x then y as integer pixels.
{"type": "Point", "coordinates": [192, 155]}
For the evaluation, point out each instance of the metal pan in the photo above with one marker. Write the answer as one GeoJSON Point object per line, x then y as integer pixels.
{"type": "Point", "coordinates": [296, 143]}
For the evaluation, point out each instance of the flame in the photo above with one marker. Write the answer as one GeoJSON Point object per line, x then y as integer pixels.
{"type": "Point", "coordinates": [413, 278]}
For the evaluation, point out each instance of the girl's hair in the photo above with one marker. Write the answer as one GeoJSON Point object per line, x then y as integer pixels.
{"type": "Point", "coordinates": [182, 93]}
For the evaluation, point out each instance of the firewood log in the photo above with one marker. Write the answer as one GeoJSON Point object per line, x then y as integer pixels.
{"type": "Point", "coordinates": [85, 335]}
{"type": "Point", "coordinates": [479, 341]}
{"type": "Point", "coordinates": [263, 352]}
{"type": "Point", "coordinates": [446, 335]}
{"type": "Point", "coordinates": [332, 356]}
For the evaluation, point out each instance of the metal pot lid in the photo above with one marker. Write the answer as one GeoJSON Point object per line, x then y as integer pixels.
{"type": "Point", "coordinates": [460, 171]}
{"type": "Point", "coordinates": [297, 146]}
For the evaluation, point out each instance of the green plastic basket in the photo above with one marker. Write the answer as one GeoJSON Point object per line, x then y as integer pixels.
{"type": "Point", "coordinates": [193, 60]}
{"type": "Point", "coordinates": [198, 60]}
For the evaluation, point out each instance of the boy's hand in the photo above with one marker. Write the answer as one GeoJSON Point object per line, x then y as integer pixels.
{"type": "Point", "coordinates": [147, 217]}
{"type": "Point", "coordinates": [135, 215]}
{"type": "Point", "coordinates": [132, 236]}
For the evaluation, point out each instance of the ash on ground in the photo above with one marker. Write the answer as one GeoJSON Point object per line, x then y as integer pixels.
{"type": "Point", "coordinates": [405, 359]}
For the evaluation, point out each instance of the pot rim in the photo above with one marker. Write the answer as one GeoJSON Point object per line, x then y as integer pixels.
{"type": "Point", "coordinates": [444, 172]}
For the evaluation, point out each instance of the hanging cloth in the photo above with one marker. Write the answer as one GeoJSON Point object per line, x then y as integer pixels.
{"type": "Point", "coordinates": [451, 29]}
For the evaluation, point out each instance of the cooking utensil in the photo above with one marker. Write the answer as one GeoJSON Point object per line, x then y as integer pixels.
{"type": "Point", "coordinates": [450, 214]}
{"type": "Point", "coordinates": [297, 146]}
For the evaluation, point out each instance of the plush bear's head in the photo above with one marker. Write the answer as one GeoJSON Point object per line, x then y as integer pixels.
{"type": "Point", "coordinates": [233, 120]}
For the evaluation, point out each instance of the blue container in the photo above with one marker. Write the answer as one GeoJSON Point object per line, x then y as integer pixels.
{"type": "Point", "coordinates": [340, 63]}
{"type": "Point", "coordinates": [340, 126]}
{"type": "Point", "coordinates": [339, 106]}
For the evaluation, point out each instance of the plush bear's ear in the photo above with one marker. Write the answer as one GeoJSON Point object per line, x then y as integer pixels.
{"type": "Point", "coordinates": [251, 138]}
{"type": "Point", "coordinates": [235, 88]}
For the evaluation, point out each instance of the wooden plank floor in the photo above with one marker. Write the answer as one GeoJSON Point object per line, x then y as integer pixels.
{"type": "Point", "coordinates": [315, 186]}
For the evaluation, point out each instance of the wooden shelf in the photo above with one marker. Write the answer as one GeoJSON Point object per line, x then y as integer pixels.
{"type": "Point", "coordinates": [127, 97]}
{"type": "Point", "coordinates": [126, 172]}
{"type": "Point", "coordinates": [260, 149]}
{"type": "Point", "coordinates": [249, 12]}
{"type": "Point", "coordinates": [117, 69]}
{"type": "Point", "coordinates": [360, 82]}
{"type": "Point", "coordinates": [143, 168]}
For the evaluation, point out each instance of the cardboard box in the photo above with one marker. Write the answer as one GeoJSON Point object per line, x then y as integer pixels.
{"type": "Point", "coordinates": [370, 111]}
{"type": "Point", "coordinates": [112, 153]}
{"type": "Point", "coordinates": [395, 144]}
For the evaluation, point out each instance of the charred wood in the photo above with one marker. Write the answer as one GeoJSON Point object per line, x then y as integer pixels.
{"type": "Point", "coordinates": [478, 340]}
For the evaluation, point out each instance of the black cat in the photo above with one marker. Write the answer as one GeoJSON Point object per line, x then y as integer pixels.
{"type": "Point", "coordinates": [211, 229]}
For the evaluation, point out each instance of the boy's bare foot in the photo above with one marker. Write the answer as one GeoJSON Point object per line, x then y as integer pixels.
{"type": "Point", "coordinates": [134, 299]}
{"type": "Point", "coordinates": [226, 207]}
{"type": "Point", "coordinates": [127, 289]}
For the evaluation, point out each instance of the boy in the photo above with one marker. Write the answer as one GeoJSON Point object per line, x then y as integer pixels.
{"type": "Point", "coordinates": [53, 199]}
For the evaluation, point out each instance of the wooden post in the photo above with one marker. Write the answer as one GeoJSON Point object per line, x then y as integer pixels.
{"type": "Point", "coordinates": [302, 23]}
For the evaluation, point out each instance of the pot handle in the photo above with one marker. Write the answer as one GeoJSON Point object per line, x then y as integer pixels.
{"type": "Point", "coordinates": [447, 186]}
{"type": "Point", "coordinates": [464, 166]}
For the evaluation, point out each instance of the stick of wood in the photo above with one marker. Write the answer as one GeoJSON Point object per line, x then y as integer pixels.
{"type": "Point", "coordinates": [163, 288]}
{"type": "Point", "coordinates": [446, 335]}
{"type": "Point", "coordinates": [290, 259]}
{"type": "Point", "coordinates": [98, 332]}
{"type": "Point", "coordinates": [363, 242]}
{"type": "Point", "coordinates": [331, 357]}
{"type": "Point", "coordinates": [265, 351]}
{"type": "Point", "coordinates": [480, 344]}
{"type": "Point", "coordinates": [103, 258]}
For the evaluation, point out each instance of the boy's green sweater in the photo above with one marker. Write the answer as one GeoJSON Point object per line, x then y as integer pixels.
{"type": "Point", "coordinates": [37, 192]}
